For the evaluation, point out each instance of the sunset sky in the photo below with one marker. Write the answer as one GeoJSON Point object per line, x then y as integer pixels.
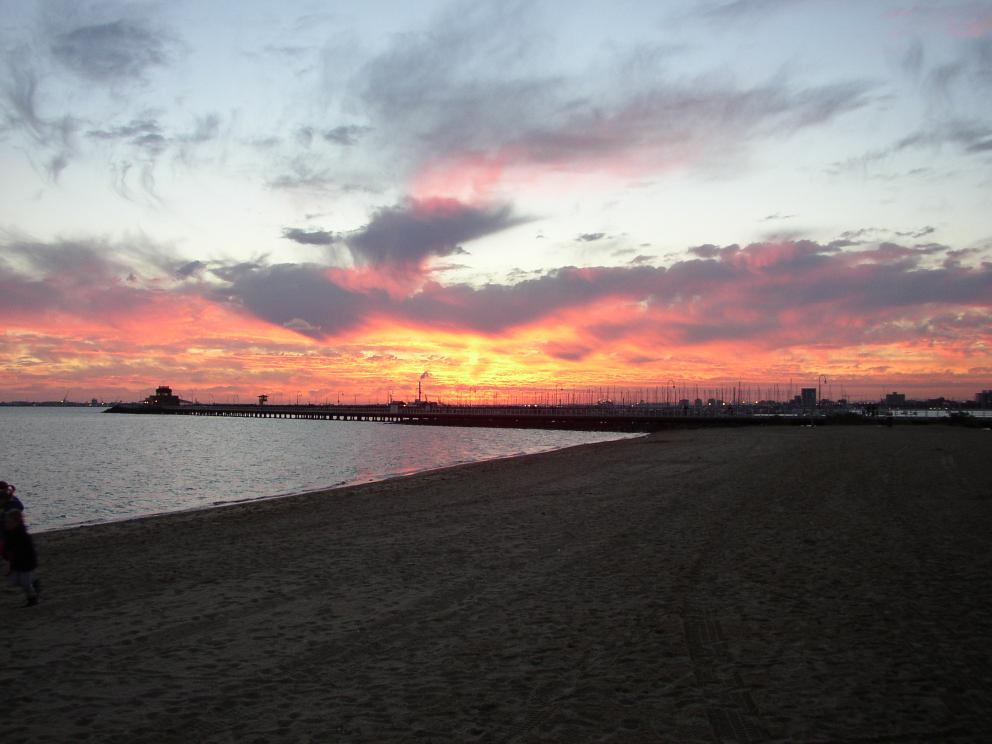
{"type": "Point", "coordinates": [325, 198]}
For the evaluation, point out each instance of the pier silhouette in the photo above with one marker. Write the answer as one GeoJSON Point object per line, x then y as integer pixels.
{"type": "Point", "coordinates": [579, 418]}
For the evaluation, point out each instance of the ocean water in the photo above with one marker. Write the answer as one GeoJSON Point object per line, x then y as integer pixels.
{"type": "Point", "coordinates": [75, 466]}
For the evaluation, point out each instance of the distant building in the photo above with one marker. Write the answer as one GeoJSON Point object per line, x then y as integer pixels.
{"type": "Point", "coordinates": [808, 397]}
{"type": "Point", "coordinates": [984, 399]}
{"type": "Point", "coordinates": [163, 397]}
{"type": "Point", "coordinates": [895, 399]}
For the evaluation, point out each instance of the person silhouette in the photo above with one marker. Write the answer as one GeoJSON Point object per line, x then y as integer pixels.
{"type": "Point", "coordinates": [19, 552]}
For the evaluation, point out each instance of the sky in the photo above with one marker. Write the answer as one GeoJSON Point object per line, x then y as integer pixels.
{"type": "Point", "coordinates": [325, 200]}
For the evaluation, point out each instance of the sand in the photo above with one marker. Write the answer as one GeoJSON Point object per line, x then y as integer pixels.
{"type": "Point", "coordinates": [780, 584]}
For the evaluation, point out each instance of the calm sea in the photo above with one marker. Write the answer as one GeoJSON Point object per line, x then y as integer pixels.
{"type": "Point", "coordinates": [76, 466]}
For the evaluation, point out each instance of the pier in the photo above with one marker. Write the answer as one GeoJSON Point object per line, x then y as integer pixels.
{"type": "Point", "coordinates": [579, 418]}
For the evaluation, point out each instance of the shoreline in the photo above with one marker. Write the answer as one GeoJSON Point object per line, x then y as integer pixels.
{"type": "Point", "coordinates": [779, 584]}
{"type": "Point", "coordinates": [327, 490]}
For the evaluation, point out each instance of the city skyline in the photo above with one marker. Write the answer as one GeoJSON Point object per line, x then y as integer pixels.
{"type": "Point", "coordinates": [327, 199]}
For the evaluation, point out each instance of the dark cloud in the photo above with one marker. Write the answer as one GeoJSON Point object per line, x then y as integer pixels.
{"type": "Point", "coordinates": [705, 251]}
{"type": "Point", "coordinates": [567, 352]}
{"type": "Point", "coordinates": [112, 52]}
{"type": "Point", "coordinates": [191, 268]}
{"type": "Point", "coordinates": [308, 237]}
{"type": "Point", "coordinates": [407, 234]}
{"type": "Point", "coordinates": [590, 237]}
{"type": "Point", "coordinates": [642, 259]}
{"type": "Point", "coordinates": [294, 296]}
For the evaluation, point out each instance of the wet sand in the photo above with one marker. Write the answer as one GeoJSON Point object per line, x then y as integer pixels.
{"type": "Point", "coordinates": [781, 584]}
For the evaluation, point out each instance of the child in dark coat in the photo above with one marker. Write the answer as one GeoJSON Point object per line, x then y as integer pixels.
{"type": "Point", "coordinates": [18, 551]}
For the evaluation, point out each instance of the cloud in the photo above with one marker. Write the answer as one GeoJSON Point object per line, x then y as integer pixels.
{"type": "Point", "coordinates": [75, 41]}
{"type": "Point", "coordinates": [191, 268]}
{"type": "Point", "coordinates": [142, 134]}
{"type": "Point", "coordinates": [765, 293]}
{"type": "Point", "coordinates": [590, 237]}
{"type": "Point", "coordinates": [345, 135]}
{"type": "Point", "coordinates": [19, 110]}
{"type": "Point", "coordinates": [141, 142]}
{"type": "Point", "coordinates": [120, 50]}
{"type": "Point", "coordinates": [205, 129]}
{"type": "Point", "coordinates": [567, 352]}
{"type": "Point", "coordinates": [919, 233]}
{"type": "Point", "coordinates": [308, 237]}
{"type": "Point", "coordinates": [304, 176]}
{"type": "Point", "coordinates": [642, 259]}
{"type": "Point", "coordinates": [913, 59]}
{"type": "Point", "coordinates": [705, 251]}
{"type": "Point", "coordinates": [763, 310]}
{"type": "Point", "coordinates": [970, 136]}
{"type": "Point", "coordinates": [408, 234]}
{"type": "Point", "coordinates": [737, 11]}
{"type": "Point", "coordinates": [299, 297]}
{"type": "Point", "coordinates": [86, 279]}
{"type": "Point", "coordinates": [460, 106]}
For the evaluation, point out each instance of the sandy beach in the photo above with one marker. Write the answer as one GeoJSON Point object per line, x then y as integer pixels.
{"type": "Point", "coordinates": [825, 584]}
